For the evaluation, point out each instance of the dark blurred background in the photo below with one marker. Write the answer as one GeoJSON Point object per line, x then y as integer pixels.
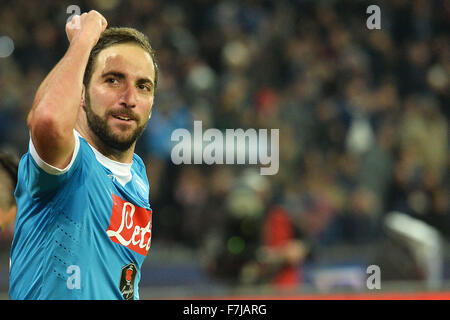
{"type": "Point", "coordinates": [363, 118]}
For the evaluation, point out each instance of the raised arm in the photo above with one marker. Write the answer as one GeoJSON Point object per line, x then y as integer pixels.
{"type": "Point", "coordinates": [57, 102]}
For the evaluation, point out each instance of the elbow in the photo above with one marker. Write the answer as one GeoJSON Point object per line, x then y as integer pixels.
{"type": "Point", "coordinates": [44, 125]}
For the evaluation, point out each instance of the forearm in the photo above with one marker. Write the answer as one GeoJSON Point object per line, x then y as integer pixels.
{"type": "Point", "coordinates": [55, 108]}
{"type": "Point", "coordinates": [59, 95]}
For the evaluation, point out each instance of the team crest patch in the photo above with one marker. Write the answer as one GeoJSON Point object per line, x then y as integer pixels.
{"type": "Point", "coordinates": [127, 277]}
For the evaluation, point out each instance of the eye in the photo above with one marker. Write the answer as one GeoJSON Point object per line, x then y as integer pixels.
{"type": "Point", "coordinates": [112, 80]}
{"type": "Point", "coordinates": [144, 87]}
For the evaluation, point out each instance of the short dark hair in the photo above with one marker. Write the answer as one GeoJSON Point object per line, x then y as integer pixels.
{"type": "Point", "coordinates": [118, 35]}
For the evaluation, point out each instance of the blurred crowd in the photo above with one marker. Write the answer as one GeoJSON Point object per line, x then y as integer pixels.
{"type": "Point", "coordinates": [363, 118]}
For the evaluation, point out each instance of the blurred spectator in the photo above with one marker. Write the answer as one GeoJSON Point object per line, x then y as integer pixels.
{"type": "Point", "coordinates": [363, 118]}
{"type": "Point", "coordinates": [8, 177]}
{"type": "Point", "coordinates": [279, 259]}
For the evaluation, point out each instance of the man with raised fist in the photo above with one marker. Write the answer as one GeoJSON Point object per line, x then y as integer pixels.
{"type": "Point", "coordinates": [83, 226]}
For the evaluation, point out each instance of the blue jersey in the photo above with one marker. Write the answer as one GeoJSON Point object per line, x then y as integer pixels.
{"type": "Point", "coordinates": [82, 232]}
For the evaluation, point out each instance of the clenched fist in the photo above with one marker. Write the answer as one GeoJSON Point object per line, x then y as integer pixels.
{"type": "Point", "coordinates": [87, 27]}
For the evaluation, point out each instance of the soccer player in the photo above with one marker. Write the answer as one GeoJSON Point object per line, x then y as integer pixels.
{"type": "Point", "coordinates": [83, 226]}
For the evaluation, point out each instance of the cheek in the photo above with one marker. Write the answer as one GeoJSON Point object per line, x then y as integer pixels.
{"type": "Point", "coordinates": [101, 98]}
{"type": "Point", "coordinates": [146, 107]}
{"type": "Point", "coordinates": [149, 110]}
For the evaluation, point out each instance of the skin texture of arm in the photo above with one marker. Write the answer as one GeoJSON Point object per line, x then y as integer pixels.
{"type": "Point", "coordinates": [57, 102]}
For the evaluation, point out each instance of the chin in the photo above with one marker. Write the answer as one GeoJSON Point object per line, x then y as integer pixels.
{"type": "Point", "coordinates": [123, 139]}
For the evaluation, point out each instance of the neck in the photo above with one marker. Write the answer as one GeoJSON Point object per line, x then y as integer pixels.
{"type": "Point", "coordinates": [111, 153]}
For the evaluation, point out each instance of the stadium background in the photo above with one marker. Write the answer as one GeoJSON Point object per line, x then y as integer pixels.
{"type": "Point", "coordinates": [363, 118]}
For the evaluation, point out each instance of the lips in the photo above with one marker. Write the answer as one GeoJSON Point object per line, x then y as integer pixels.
{"type": "Point", "coordinates": [123, 116]}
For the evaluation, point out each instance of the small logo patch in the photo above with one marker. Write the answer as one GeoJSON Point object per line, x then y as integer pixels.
{"type": "Point", "coordinates": [126, 285]}
{"type": "Point", "coordinates": [141, 189]}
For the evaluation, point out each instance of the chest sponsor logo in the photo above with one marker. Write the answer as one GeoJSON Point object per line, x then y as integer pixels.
{"type": "Point", "coordinates": [130, 226]}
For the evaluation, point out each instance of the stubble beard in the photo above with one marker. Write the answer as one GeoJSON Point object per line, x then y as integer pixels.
{"type": "Point", "coordinates": [100, 128]}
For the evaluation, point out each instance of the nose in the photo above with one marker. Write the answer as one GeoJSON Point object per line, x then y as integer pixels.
{"type": "Point", "coordinates": [129, 97]}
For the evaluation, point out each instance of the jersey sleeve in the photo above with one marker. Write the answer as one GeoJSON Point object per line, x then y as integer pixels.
{"type": "Point", "coordinates": [40, 177]}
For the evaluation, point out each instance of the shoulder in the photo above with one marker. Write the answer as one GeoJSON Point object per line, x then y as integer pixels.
{"type": "Point", "coordinates": [48, 168]}
{"type": "Point", "coordinates": [40, 178]}
{"type": "Point", "coordinates": [138, 163]}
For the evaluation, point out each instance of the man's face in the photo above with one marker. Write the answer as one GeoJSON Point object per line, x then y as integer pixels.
{"type": "Point", "coordinates": [120, 95]}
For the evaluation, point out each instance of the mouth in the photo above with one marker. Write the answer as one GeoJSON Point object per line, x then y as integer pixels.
{"type": "Point", "coordinates": [124, 118]}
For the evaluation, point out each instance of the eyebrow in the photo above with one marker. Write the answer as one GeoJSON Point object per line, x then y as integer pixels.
{"type": "Point", "coordinates": [120, 75]}
{"type": "Point", "coordinates": [114, 74]}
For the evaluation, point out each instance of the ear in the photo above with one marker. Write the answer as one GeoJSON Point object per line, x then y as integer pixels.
{"type": "Point", "coordinates": [150, 115]}
{"type": "Point", "coordinates": [83, 97]}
